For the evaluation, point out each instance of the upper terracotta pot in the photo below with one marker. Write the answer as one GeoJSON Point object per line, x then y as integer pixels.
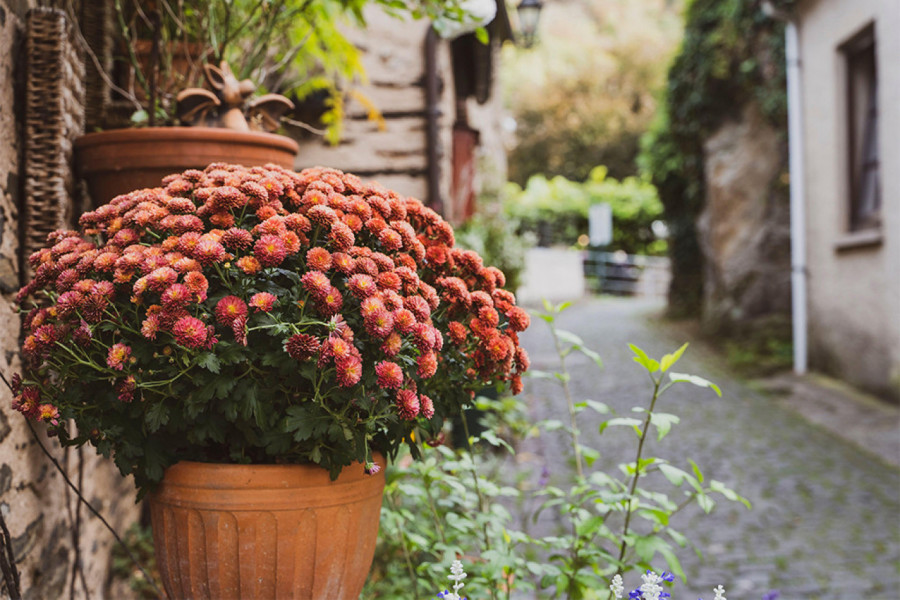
{"type": "Point", "coordinates": [123, 160]}
{"type": "Point", "coordinates": [284, 532]}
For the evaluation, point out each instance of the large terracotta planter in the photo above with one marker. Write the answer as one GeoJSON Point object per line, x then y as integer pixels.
{"type": "Point", "coordinates": [265, 531]}
{"type": "Point", "coordinates": [122, 160]}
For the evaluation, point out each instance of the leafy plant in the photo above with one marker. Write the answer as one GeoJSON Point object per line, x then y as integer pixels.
{"type": "Point", "coordinates": [260, 315]}
{"type": "Point", "coordinates": [617, 523]}
{"type": "Point", "coordinates": [454, 505]}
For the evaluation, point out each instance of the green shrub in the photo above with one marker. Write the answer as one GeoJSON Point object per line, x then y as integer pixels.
{"type": "Point", "coordinates": [556, 210]}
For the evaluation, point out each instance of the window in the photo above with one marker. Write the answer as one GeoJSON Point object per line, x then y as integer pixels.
{"type": "Point", "coordinates": [862, 131]}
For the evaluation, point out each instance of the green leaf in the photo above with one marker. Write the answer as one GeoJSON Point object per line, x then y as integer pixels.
{"type": "Point", "coordinates": [642, 359]}
{"type": "Point", "coordinates": [588, 527]}
{"type": "Point", "coordinates": [696, 470]}
{"type": "Point", "coordinates": [481, 34]}
{"type": "Point", "coordinates": [156, 416]}
{"type": "Point", "coordinates": [698, 381]}
{"type": "Point", "coordinates": [590, 455]}
{"type": "Point", "coordinates": [706, 503]}
{"type": "Point", "coordinates": [670, 359]}
{"type": "Point", "coordinates": [568, 336]}
{"type": "Point", "coordinates": [592, 355]}
{"type": "Point", "coordinates": [675, 475]}
{"type": "Point", "coordinates": [210, 362]}
{"type": "Point", "coordinates": [622, 422]}
{"type": "Point", "coordinates": [663, 423]}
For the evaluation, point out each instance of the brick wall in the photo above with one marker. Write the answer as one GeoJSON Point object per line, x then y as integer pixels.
{"type": "Point", "coordinates": [35, 503]}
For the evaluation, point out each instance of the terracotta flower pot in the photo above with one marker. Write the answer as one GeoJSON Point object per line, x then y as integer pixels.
{"type": "Point", "coordinates": [122, 160]}
{"type": "Point", "coordinates": [265, 531]}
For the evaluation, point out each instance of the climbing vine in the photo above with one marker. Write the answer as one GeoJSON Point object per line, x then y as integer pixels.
{"type": "Point", "coordinates": [731, 54]}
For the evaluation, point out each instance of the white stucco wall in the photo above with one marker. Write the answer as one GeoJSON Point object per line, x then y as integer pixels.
{"type": "Point", "coordinates": [854, 290]}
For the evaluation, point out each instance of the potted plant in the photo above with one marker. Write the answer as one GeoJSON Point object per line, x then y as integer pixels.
{"type": "Point", "coordinates": [264, 336]}
{"type": "Point", "coordinates": [161, 47]}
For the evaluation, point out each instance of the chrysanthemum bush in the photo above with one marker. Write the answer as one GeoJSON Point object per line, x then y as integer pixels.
{"type": "Point", "coordinates": [260, 315]}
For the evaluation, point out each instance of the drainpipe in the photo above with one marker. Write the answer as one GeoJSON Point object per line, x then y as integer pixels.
{"type": "Point", "coordinates": [799, 315]}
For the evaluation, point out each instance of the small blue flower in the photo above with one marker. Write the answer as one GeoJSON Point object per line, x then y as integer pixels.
{"type": "Point", "coordinates": [666, 576]}
{"type": "Point", "coordinates": [772, 595]}
{"type": "Point", "coordinates": [636, 594]}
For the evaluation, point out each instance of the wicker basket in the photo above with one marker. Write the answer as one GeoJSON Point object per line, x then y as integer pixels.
{"type": "Point", "coordinates": [54, 117]}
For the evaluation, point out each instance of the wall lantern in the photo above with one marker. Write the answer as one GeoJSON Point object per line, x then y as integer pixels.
{"type": "Point", "coordinates": [529, 12]}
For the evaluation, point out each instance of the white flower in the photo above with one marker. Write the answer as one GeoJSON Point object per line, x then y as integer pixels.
{"type": "Point", "coordinates": [617, 587]}
{"type": "Point", "coordinates": [456, 576]}
{"type": "Point", "coordinates": [651, 588]}
{"type": "Point", "coordinates": [720, 593]}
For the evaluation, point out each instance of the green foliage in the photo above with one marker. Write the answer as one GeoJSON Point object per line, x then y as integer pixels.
{"type": "Point", "coordinates": [584, 95]}
{"type": "Point", "coordinates": [494, 235]}
{"type": "Point", "coordinates": [454, 504]}
{"type": "Point", "coordinates": [731, 54]}
{"type": "Point", "coordinates": [557, 210]}
{"type": "Point", "coordinates": [292, 47]}
{"type": "Point", "coordinates": [139, 541]}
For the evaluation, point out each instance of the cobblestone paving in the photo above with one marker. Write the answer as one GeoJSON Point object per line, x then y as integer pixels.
{"type": "Point", "coordinates": [825, 522]}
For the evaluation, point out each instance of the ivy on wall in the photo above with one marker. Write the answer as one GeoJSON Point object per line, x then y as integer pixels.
{"type": "Point", "coordinates": [731, 54]}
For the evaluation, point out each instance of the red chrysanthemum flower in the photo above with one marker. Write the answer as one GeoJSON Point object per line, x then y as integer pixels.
{"type": "Point", "coordinates": [269, 250]}
{"type": "Point", "coordinates": [405, 321]}
{"type": "Point", "coordinates": [488, 316]}
{"type": "Point", "coordinates": [318, 259]}
{"type": "Point", "coordinates": [297, 223]}
{"type": "Point", "coordinates": [228, 309]}
{"type": "Point", "coordinates": [426, 406]}
{"type": "Point", "coordinates": [352, 221]}
{"type": "Point", "coordinates": [516, 386]}
{"type": "Point", "coordinates": [302, 346]}
{"type": "Point", "coordinates": [389, 280]}
{"type": "Point", "coordinates": [518, 319]}
{"type": "Point", "coordinates": [343, 263]}
{"type": "Point", "coordinates": [371, 305]}
{"type": "Point", "coordinates": [418, 306]}
{"type": "Point", "coordinates": [407, 404]}
{"type": "Point", "coordinates": [321, 215]}
{"type": "Point", "coordinates": [239, 328]}
{"type": "Point", "coordinates": [522, 360]}
{"type": "Point", "coordinates": [366, 266]}
{"type": "Point", "coordinates": [190, 332]}
{"type": "Point", "coordinates": [117, 356]}
{"type": "Point", "coordinates": [392, 345]}
{"type": "Point", "coordinates": [389, 375]}
{"type": "Point", "coordinates": [458, 332]}
{"type": "Point", "coordinates": [498, 347]}
{"type": "Point", "coordinates": [341, 236]}
{"type": "Point", "coordinates": [176, 296]}
{"type": "Point", "coordinates": [197, 284]}
{"type": "Point", "coordinates": [125, 389]}
{"type": "Point", "coordinates": [427, 365]}
{"type": "Point", "coordinates": [316, 283]}
{"type": "Point", "coordinates": [237, 239]}
{"type": "Point", "coordinates": [362, 286]}
{"type": "Point", "coordinates": [424, 337]}
{"type": "Point", "coordinates": [263, 301]}
{"type": "Point", "coordinates": [390, 239]}
{"type": "Point", "coordinates": [379, 324]}
{"type": "Point", "coordinates": [150, 327]}
{"type": "Point", "coordinates": [348, 371]}
{"type": "Point", "coordinates": [330, 303]}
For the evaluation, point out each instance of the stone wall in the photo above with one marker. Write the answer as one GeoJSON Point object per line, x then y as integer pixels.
{"type": "Point", "coordinates": [744, 229]}
{"type": "Point", "coordinates": [38, 508]}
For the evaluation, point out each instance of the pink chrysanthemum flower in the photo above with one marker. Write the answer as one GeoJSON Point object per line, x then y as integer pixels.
{"type": "Point", "coordinates": [389, 375]}
{"type": "Point", "coordinates": [237, 239]}
{"type": "Point", "coordinates": [392, 345]}
{"type": "Point", "coordinates": [407, 404]}
{"type": "Point", "coordinates": [458, 332]}
{"type": "Point", "coordinates": [427, 365]}
{"type": "Point", "coordinates": [343, 263]}
{"type": "Point", "coordinates": [379, 324]}
{"type": "Point", "coordinates": [263, 301]}
{"type": "Point", "coordinates": [341, 236]}
{"type": "Point", "coordinates": [405, 321]}
{"type": "Point", "coordinates": [362, 286]}
{"type": "Point", "coordinates": [190, 332]}
{"type": "Point", "coordinates": [389, 281]}
{"type": "Point", "coordinates": [390, 239]}
{"type": "Point", "coordinates": [302, 346]}
{"type": "Point", "coordinates": [316, 283]}
{"type": "Point", "coordinates": [426, 406]}
{"type": "Point", "coordinates": [418, 306]}
{"type": "Point", "coordinates": [348, 371]}
{"type": "Point", "coordinates": [228, 309]}
{"type": "Point", "coordinates": [197, 284]}
{"type": "Point", "coordinates": [125, 389]}
{"type": "Point", "coordinates": [117, 356]}
{"type": "Point", "coordinates": [176, 296]}
{"type": "Point", "coordinates": [330, 303]}
{"type": "Point", "coordinates": [150, 327]}
{"type": "Point", "coordinates": [269, 250]}
{"type": "Point", "coordinates": [239, 328]}
{"type": "Point", "coordinates": [371, 305]}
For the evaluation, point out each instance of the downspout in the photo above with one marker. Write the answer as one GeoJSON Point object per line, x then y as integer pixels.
{"type": "Point", "coordinates": [797, 171]}
{"type": "Point", "coordinates": [432, 119]}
